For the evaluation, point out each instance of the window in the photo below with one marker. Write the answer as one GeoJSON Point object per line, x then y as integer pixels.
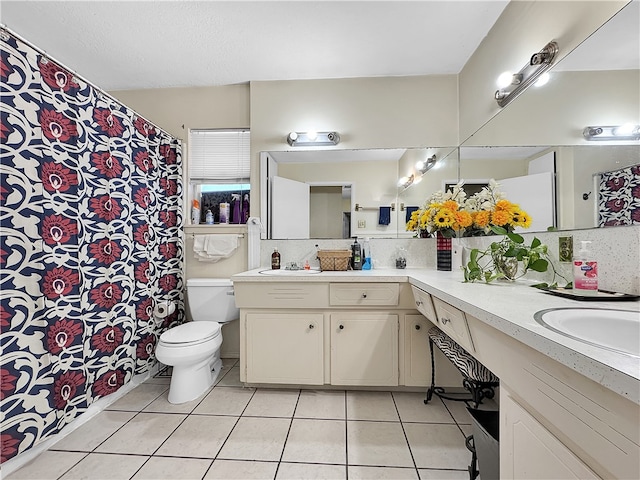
{"type": "Point", "coordinates": [219, 173]}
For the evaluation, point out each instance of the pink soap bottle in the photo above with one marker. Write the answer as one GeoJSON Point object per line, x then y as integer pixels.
{"type": "Point", "coordinates": [585, 271]}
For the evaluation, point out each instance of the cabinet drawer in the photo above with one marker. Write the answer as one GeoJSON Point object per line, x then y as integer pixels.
{"type": "Point", "coordinates": [281, 295]}
{"type": "Point", "coordinates": [424, 304]}
{"type": "Point", "coordinates": [364, 294]}
{"type": "Point", "coordinates": [453, 322]}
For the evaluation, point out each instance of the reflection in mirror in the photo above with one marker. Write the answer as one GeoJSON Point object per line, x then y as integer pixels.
{"type": "Point", "coordinates": [314, 193]}
{"type": "Point", "coordinates": [542, 131]}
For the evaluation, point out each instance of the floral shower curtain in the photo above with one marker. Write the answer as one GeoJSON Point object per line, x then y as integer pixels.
{"type": "Point", "coordinates": [619, 197]}
{"type": "Point", "coordinates": [91, 218]}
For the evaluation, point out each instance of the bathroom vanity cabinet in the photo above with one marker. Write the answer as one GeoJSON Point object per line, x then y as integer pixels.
{"type": "Point", "coordinates": [334, 333]}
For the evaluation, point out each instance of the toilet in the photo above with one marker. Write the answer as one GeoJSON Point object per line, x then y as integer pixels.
{"type": "Point", "coordinates": [193, 348]}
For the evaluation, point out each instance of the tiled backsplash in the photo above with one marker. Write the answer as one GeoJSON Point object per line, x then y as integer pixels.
{"type": "Point", "coordinates": [616, 249]}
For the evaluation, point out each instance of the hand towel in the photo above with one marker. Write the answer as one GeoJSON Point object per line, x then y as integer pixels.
{"type": "Point", "coordinates": [212, 248]}
{"type": "Point", "coordinates": [385, 216]}
{"type": "Point", "coordinates": [409, 211]}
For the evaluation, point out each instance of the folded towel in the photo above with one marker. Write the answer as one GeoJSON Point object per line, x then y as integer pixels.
{"type": "Point", "coordinates": [385, 216]}
{"type": "Point", "coordinates": [212, 248]}
{"type": "Point", "coordinates": [409, 211]}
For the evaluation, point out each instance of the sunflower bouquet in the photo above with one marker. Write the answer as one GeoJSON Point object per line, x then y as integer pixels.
{"type": "Point", "coordinates": [442, 212]}
{"type": "Point", "coordinates": [489, 208]}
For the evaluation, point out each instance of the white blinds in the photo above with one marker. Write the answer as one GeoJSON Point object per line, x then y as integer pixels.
{"type": "Point", "coordinates": [219, 155]}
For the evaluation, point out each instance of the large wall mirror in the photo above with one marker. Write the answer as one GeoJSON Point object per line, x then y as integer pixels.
{"type": "Point", "coordinates": [344, 193]}
{"type": "Point", "coordinates": [597, 84]}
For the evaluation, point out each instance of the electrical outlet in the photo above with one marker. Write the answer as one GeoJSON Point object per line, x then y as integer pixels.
{"type": "Point", "coordinates": [362, 224]}
{"type": "Point", "coordinates": [565, 249]}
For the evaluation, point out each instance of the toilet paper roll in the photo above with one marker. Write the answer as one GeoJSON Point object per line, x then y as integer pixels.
{"type": "Point", "coordinates": [164, 309]}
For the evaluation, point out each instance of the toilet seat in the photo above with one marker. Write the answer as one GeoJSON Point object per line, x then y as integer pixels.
{"type": "Point", "coordinates": [191, 333]}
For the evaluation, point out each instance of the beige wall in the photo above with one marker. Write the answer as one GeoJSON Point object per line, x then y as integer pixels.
{"type": "Point", "coordinates": [523, 28]}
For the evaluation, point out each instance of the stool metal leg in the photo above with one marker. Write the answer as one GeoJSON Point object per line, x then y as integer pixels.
{"type": "Point", "coordinates": [433, 374]}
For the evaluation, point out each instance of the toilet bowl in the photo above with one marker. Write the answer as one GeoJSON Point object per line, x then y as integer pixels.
{"type": "Point", "coordinates": [193, 348]}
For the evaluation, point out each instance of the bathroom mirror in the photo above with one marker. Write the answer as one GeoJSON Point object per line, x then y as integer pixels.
{"type": "Point", "coordinates": [597, 84]}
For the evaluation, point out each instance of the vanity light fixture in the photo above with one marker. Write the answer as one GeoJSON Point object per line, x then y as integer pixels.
{"type": "Point", "coordinates": [612, 132]}
{"type": "Point", "coordinates": [313, 139]}
{"type": "Point", "coordinates": [406, 182]}
{"type": "Point", "coordinates": [425, 165]}
{"type": "Point", "coordinates": [540, 62]}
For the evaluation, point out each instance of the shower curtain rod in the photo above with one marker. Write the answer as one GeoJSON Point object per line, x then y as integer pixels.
{"type": "Point", "coordinates": [80, 77]}
{"type": "Point", "coordinates": [616, 170]}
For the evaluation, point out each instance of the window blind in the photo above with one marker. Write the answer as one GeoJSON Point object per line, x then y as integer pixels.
{"type": "Point", "coordinates": [219, 155]}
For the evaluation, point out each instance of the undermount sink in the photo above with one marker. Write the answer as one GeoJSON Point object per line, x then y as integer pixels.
{"type": "Point", "coordinates": [287, 273]}
{"type": "Point", "coordinates": [617, 330]}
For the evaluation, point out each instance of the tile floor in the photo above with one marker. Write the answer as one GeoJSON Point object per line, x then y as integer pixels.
{"type": "Point", "coordinates": [245, 433]}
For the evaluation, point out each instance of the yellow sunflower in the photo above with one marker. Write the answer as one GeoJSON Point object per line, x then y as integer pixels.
{"type": "Point", "coordinates": [521, 218]}
{"type": "Point", "coordinates": [444, 218]}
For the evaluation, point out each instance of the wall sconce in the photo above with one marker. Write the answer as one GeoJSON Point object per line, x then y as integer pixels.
{"type": "Point", "coordinates": [540, 62]}
{"type": "Point", "coordinates": [425, 165]}
{"type": "Point", "coordinates": [312, 139]}
{"type": "Point", "coordinates": [615, 132]}
{"type": "Point", "coordinates": [406, 182]}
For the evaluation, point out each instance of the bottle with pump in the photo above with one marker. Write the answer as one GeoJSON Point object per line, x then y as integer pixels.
{"type": "Point", "coordinates": [209, 218]}
{"type": "Point", "coordinates": [356, 255]}
{"type": "Point", "coordinates": [366, 254]}
{"type": "Point", "coordinates": [585, 271]}
{"type": "Point", "coordinates": [275, 260]}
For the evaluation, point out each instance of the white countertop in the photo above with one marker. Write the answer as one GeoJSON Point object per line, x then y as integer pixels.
{"type": "Point", "coordinates": [508, 307]}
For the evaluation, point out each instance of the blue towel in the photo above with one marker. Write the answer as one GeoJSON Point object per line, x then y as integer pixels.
{"type": "Point", "coordinates": [409, 211]}
{"type": "Point", "coordinates": [385, 216]}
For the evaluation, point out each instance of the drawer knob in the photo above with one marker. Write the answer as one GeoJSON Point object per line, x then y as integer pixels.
{"type": "Point", "coordinates": [418, 303]}
{"type": "Point", "coordinates": [364, 295]}
{"type": "Point", "coordinates": [341, 327]}
{"type": "Point", "coordinates": [417, 327]}
{"type": "Point", "coordinates": [311, 326]}
{"type": "Point", "coordinates": [445, 320]}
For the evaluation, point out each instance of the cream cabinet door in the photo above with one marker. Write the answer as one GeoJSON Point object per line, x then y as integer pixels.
{"type": "Point", "coordinates": [364, 349]}
{"type": "Point", "coordinates": [285, 348]}
{"type": "Point", "coordinates": [529, 451]}
{"type": "Point", "coordinates": [417, 360]}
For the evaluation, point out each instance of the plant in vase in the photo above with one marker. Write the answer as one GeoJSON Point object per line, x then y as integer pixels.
{"type": "Point", "coordinates": [509, 258]}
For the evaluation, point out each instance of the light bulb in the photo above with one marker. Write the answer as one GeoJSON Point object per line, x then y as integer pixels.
{"type": "Point", "coordinates": [504, 79]}
{"type": "Point", "coordinates": [542, 80]}
{"type": "Point", "coordinates": [312, 136]}
{"type": "Point", "coordinates": [624, 130]}
{"type": "Point", "coordinates": [293, 136]}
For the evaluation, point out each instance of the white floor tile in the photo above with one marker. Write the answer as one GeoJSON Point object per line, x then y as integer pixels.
{"type": "Point", "coordinates": [198, 436]}
{"type": "Point", "coordinates": [459, 411]}
{"type": "Point", "coordinates": [327, 404]}
{"type": "Point", "coordinates": [412, 409]}
{"type": "Point", "coordinates": [143, 434]}
{"type": "Point", "coordinates": [162, 405]}
{"type": "Point", "coordinates": [105, 467]}
{"type": "Point", "coordinates": [316, 441]}
{"type": "Point", "coordinates": [88, 436]}
{"type": "Point", "coordinates": [303, 471]}
{"type": "Point", "coordinates": [272, 403]}
{"type": "Point", "coordinates": [47, 466]}
{"type": "Point", "coordinates": [382, 473]}
{"type": "Point", "coordinates": [170, 468]}
{"type": "Point", "coordinates": [437, 446]}
{"type": "Point", "coordinates": [241, 470]}
{"type": "Point", "coordinates": [444, 474]}
{"type": "Point", "coordinates": [256, 439]}
{"type": "Point", "coordinates": [231, 378]}
{"type": "Point", "coordinates": [377, 444]}
{"type": "Point", "coordinates": [139, 397]}
{"type": "Point", "coordinates": [371, 406]}
{"type": "Point", "coordinates": [225, 401]}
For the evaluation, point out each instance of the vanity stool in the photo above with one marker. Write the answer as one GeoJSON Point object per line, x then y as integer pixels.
{"type": "Point", "coordinates": [477, 378]}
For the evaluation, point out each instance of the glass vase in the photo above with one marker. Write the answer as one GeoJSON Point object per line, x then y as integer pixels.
{"type": "Point", "coordinates": [443, 253]}
{"type": "Point", "coordinates": [508, 266]}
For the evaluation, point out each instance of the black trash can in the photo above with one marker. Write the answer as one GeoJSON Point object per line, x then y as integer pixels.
{"type": "Point", "coordinates": [486, 441]}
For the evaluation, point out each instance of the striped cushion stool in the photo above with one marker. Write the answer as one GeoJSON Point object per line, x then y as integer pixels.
{"type": "Point", "coordinates": [477, 378]}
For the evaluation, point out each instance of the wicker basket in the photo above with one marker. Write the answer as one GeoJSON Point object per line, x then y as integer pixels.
{"type": "Point", "coordinates": [334, 260]}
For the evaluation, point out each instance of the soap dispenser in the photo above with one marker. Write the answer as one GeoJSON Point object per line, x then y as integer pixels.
{"type": "Point", "coordinates": [585, 271]}
{"type": "Point", "coordinates": [366, 254]}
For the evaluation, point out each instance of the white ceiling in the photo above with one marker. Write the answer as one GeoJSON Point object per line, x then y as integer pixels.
{"type": "Point", "coordinates": [143, 44]}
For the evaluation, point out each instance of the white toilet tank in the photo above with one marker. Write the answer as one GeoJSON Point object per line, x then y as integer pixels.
{"type": "Point", "coordinates": [211, 300]}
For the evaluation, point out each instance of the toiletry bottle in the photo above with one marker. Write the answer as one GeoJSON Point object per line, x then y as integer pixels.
{"type": "Point", "coordinates": [235, 208]}
{"type": "Point", "coordinates": [209, 218]}
{"type": "Point", "coordinates": [275, 260]}
{"type": "Point", "coordinates": [306, 265]}
{"type": "Point", "coordinates": [585, 271]}
{"type": "Point", "coordinates": [245, 209]}
{"type": "Point", "coordinates": [366, 254]}
{"type": "Point", "coordinates": [356, 257]}
{"type": "Point", "coordinates": [224, 212]}
{"type": "Point", "coordinates": [195, 212]}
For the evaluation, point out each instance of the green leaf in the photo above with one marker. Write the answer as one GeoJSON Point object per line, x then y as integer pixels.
{"type": "Point", "coordinates": [536, 242]}
{"type": "Point", "coordinates": [539, 265]}
{"type": "Point", "coordinates": [514, 237]}
{"type": "Point", "coordinates": [498, 230]}
{"type": "Point", "coordinates": [542, 286]}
